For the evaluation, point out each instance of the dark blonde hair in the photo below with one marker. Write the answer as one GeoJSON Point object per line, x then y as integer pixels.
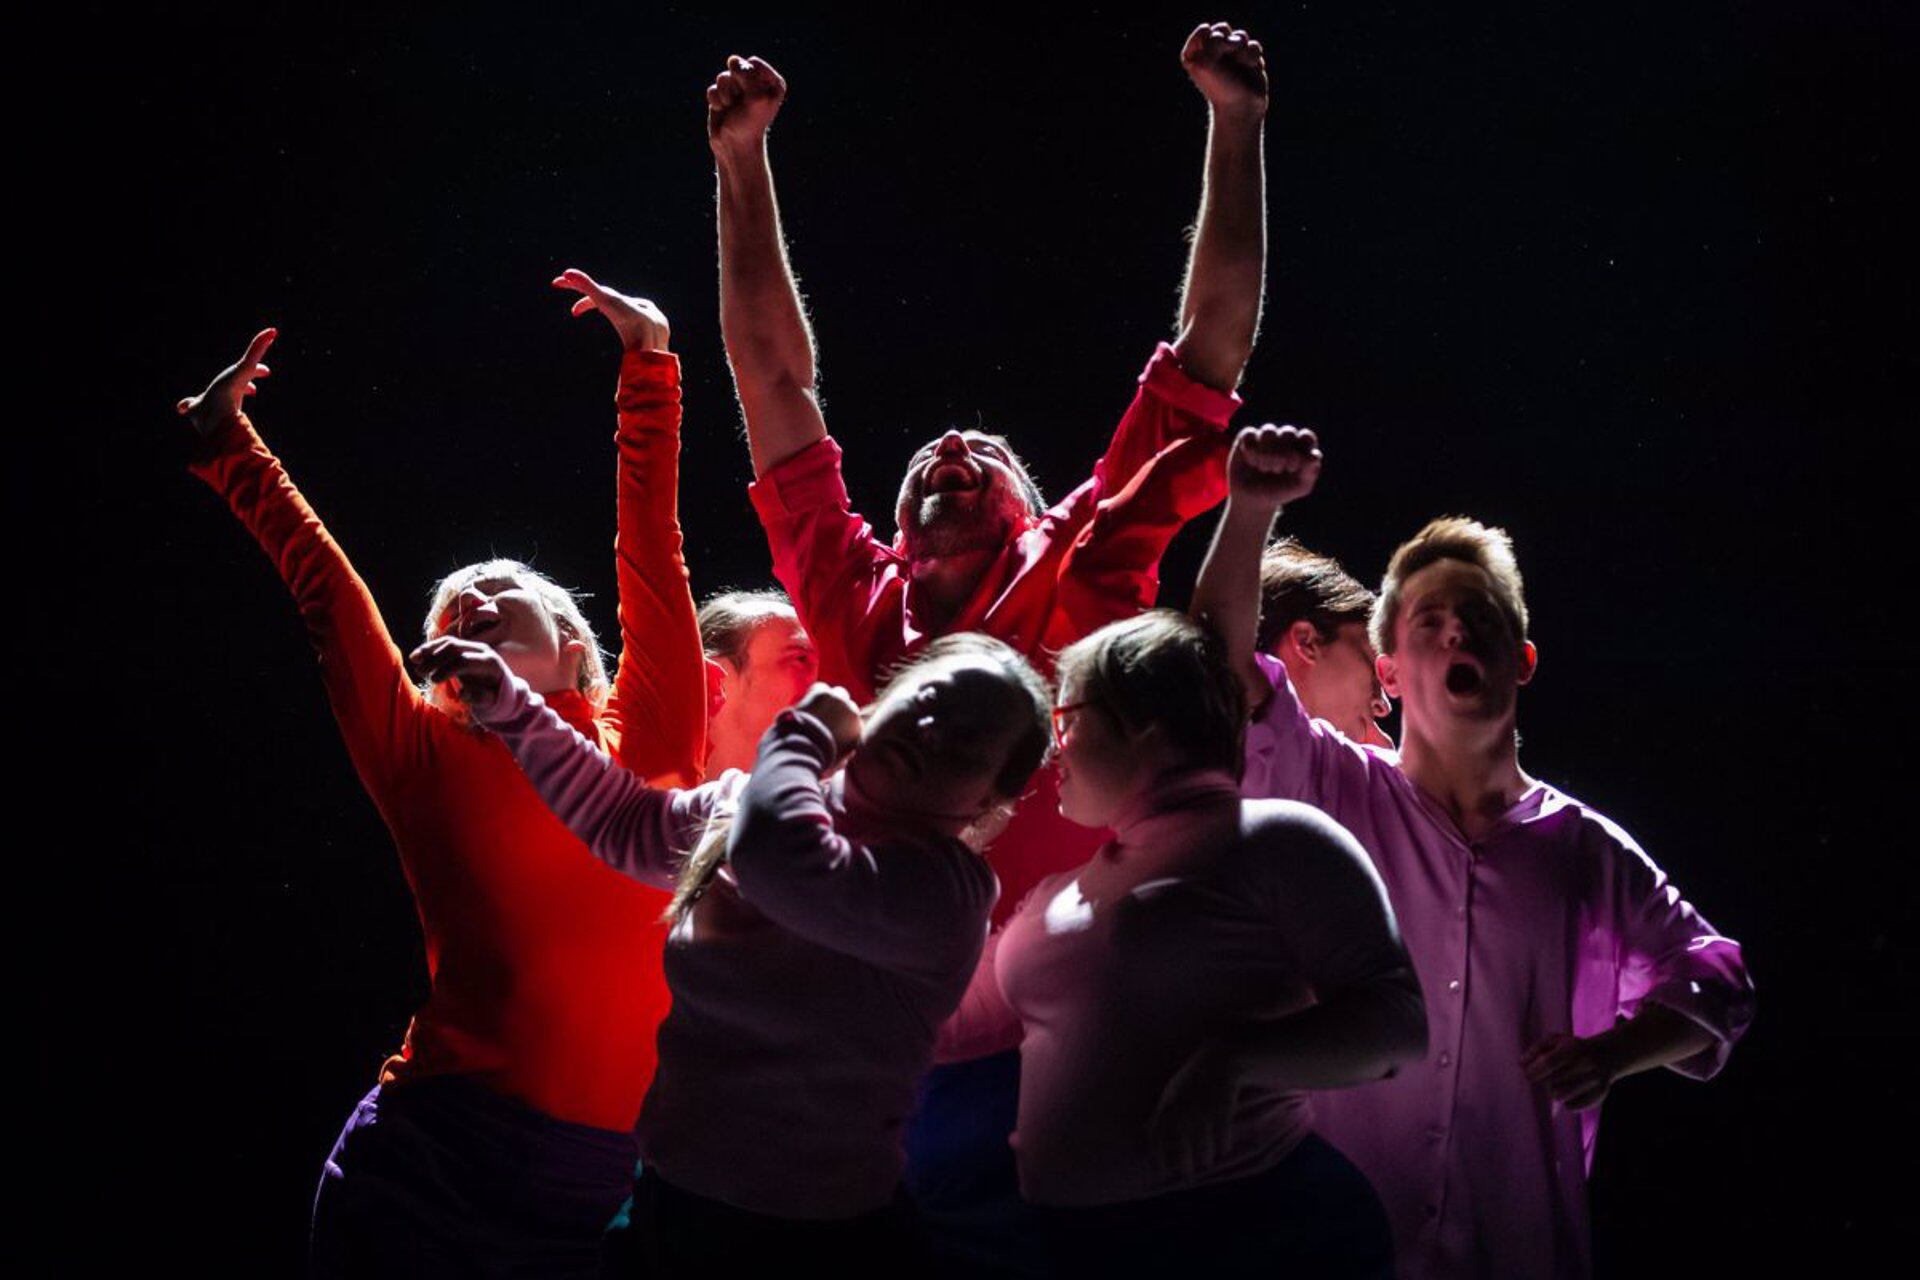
{"type": "Point", "coordinates": [1025, 755]}
{"type": "Point", "coordinates": [1164, 670]}
{"type": "Point", "coordinates": [1453, 538]}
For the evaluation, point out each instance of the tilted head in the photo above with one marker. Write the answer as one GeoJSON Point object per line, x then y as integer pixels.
{"type": "Point", "coordinates": [965, 491]}
{"type": "Point", "coordinates": [765, 662]}
{"type": "Point", "coordinates": [1314, 617]}
{"type": "Point", "coordinates": [956, 732]}
{"type": "Point", "coordinates": [533, 622]}
{"type": "Point", "coordinates": [1139, 699]}
{"type": "Point", "coordinates": [1451, 623]}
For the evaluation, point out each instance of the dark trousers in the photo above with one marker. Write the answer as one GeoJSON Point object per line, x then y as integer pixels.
{"type": "Point", "coordinates": [683, 1234]}
{"type": "Point", "coordinates": [444, 1177]}
{"type": "Point", "coordinates": [961, 1174]}
{"type": "Point", "coordinates": [1313, 1214]}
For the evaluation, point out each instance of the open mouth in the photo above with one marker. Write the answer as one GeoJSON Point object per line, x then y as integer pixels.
{"type": "Point", "coordinates": [1464, 679]}
{"type": "Point", "coordinates": [476, 626]}
{"type": "Point", "coordinates": [951, 477]}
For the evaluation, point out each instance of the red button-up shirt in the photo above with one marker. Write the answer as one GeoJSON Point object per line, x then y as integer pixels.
{"type": "Point", "coordinates": [1091, 559]}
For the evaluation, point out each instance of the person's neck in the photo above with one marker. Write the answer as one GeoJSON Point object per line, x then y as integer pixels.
{"type": "Point", "coordinates": [729, 746]}
{"type": "Point", "coordinates": [1176, 789]}
{"type": "Point", "coordinates": [1474, 776]}
{"type": "Point", "coordinates": [942, 585]}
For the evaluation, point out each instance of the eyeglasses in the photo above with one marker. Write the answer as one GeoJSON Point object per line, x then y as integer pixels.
{"type": "Point", "coordinates": [1059, 721]}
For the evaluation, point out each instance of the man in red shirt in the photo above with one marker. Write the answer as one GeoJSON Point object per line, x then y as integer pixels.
{"type": "Point", "coordinates": [976, 549]}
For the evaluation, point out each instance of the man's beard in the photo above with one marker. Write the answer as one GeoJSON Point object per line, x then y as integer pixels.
{"type": "Point", "coordinates": [946, 524]}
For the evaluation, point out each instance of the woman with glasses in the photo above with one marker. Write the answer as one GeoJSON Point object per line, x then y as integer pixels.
{"type": "Point", "coordinates": [1175, 997]}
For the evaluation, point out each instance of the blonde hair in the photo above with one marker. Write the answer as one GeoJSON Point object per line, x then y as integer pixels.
{"type": "Point", "coordinates": [1453, 538]}
{"type": "Point", "coordinates": [560, 602]}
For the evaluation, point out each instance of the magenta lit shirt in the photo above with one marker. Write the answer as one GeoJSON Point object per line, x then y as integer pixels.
{"type": "Point", "coordinates": [1204, 913]}
{"type": "Point", "coordinates": [1555, 920]}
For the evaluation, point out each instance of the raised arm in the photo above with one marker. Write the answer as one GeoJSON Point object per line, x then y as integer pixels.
{"type": "Point", "coordinates": [921, 911]}
{"type": "Point", "coordinates": [1269, 466]}
{"type": "Point", "coordinates": [380, 712]}
{"type": "Point", "coordinates": [762, 321]}
{"type": "Point", "coordinates": [657, 713]}
{"type": "Point", "coordinates": [638, 830]}
{"type": "Point", "coordinates": [1226, 272]}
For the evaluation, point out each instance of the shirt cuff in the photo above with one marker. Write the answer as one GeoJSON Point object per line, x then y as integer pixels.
{"type": "Point", "coordinates": [649, 366]}
{"type": "Point", "coordinates": [1170, 383]}
{"type": "Point", "coordinates": [807, 481]}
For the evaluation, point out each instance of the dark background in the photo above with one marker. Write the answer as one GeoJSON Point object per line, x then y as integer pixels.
{"type": "Point", "coordinates": [1635, 284]}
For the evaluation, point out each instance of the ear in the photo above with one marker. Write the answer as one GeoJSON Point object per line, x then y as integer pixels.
{"type": "Point", "coordinates": [1305, 639]}
{"type": "Point", "coordinates": [716, 687]}
{"type": "Point", "coordinates": [573, 656]}
{"type": "Point", "coordinates": [1389, 677]}
{"type": "Point", "coordinates": [1529, 661]}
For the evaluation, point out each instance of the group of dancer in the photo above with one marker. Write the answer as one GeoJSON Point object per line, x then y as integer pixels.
{"type": "Point", "coordinates": [956, 911]}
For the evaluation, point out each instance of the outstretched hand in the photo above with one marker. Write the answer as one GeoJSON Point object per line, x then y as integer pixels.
{"type": "Point", "coordinates": [219, 404]}
{"type": "Point", "coordinates": [478, 672]}
{"type": "Point", "coordinates": [641, 325]}
{"type": "Point", "coordinates": [742, 102]}
{"type": "Point", "coordinates": [1273, 465]}
{"type": "Point", "coordinates": [1228, 67]}
{"type": "Point", "coordinates": [830, 704]}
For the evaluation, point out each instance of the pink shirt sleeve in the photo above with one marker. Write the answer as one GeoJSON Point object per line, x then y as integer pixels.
{"type": "Point", "coordinates": [1291, 756]}
{"type": "Point", "coordinates": [1669, 954]}
{"type": "Point", "coordinates": [639, 831]}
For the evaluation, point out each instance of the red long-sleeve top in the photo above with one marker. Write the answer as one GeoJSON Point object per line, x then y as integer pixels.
{"type": "Point", "coordinates": [1091, 559]}
{"type": "Point", "coordinates": [545, 963]}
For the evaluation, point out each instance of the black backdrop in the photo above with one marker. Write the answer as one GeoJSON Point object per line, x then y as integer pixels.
{"type": "Point", "coordinates": [1633, 284]}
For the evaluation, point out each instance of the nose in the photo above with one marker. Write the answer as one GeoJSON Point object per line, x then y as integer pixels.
{"type": "Point", "coordinates": [952, 445]}
{"type": "Point", "coordinates": [472, 598]}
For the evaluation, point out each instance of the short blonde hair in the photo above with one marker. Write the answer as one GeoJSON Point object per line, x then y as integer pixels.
{"type": "Point", "coordinates": [560, 602]}
{"type": "Point", "coordinates": [1453, 538]}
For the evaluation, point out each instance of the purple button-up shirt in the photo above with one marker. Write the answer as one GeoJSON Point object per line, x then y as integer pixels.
{"type": "Point", "coordinates": [1554, 920]}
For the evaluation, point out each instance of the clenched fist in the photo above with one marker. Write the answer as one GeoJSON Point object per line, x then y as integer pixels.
{"type": "Point", "coordinates": [1272, 465]}
{"type": "Point", "coordinates": [742, 102]}
{"type": "Point", "coordinates": [830, 704]}
{"type": "Point", "coordinates": [1228, 67]}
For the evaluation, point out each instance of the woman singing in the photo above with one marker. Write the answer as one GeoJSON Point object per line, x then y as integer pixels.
{"type": "Point", "coordinates": [499, 1136]}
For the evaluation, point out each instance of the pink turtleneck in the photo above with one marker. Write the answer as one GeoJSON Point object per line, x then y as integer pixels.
{"type": "Point", "coordinates": [1203, 915]}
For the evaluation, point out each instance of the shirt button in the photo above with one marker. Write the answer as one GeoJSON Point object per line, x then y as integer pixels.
{"type": "Point", "coordinates": [1446, 1059]}
{"type": "Point", "coordinates": [1433, 1211]}
{"type": "Point", "coordinates": [1453, 984]}
{"type": "Point", "coordinates": [1436, 1132]}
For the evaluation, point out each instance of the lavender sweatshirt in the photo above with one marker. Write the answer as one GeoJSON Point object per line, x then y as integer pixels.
{"type": "Point", "coordinates": [808, 981]}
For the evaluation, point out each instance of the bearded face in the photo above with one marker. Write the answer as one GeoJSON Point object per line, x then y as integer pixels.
{"type": "Point", "coordinates": [964, 492]}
